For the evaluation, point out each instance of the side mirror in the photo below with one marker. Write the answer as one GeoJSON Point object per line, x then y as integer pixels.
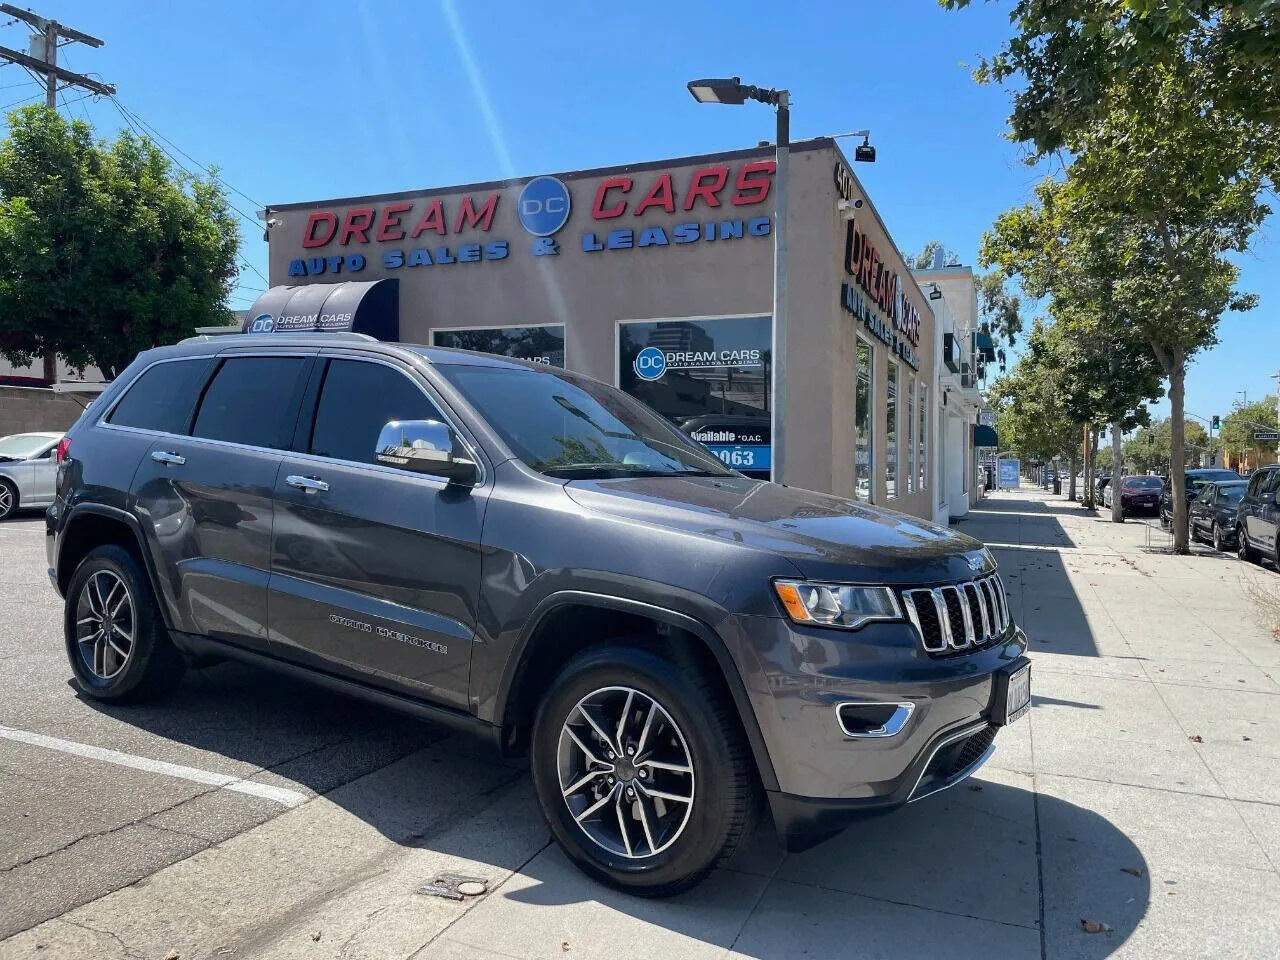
{"type": "Point", "coordinates": [425, 446]}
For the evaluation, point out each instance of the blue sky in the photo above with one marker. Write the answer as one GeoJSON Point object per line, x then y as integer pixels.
{"type": "Point", "coordinates": [298, 101]}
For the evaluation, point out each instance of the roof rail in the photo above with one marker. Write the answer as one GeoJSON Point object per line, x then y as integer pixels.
{"type": "Point", "coordinates": [335, 335]}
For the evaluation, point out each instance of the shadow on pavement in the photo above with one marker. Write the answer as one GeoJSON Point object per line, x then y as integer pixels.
{"type": "Point", "coordinates": [974, 871]}
{"type": "Point", "coordinates": [956, 876]}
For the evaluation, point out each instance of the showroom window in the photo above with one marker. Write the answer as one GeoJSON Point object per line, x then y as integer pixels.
{"type": "Point", "coordinates": [922, 436]}
{"type": "Point", "coordinates": [709, 376]}
{"type": "Point", "coordinates": [909, 463]}
{"type": "Point", "coordinates": [891, 430]}
{"type": "Point", "coordinates": [541, 344]}
{"type": "Point", "coordinates": [862, 420]}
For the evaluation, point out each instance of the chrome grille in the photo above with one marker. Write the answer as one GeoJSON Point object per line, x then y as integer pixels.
{"type": "Point", "coordinates": [958, 616]}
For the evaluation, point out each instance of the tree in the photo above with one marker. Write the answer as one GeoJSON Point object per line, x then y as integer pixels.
{"type": "Point", "coordinates": [1239, 426]}
{"type": "Point", "coordinates": [1167, 111]}
{"type": "Point", "coordinates": [1068, 57]}
{"type": "Point", "coordinates": [105, 249]}
{"type": "Point", "coordinates": [924, 261]}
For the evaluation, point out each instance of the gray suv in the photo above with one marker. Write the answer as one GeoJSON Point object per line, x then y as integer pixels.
{"type": "Point", "coordinates": [533, 557]}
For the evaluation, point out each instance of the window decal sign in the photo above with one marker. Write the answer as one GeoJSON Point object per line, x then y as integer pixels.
{"type": "Point", "coordinates": [708, 376]}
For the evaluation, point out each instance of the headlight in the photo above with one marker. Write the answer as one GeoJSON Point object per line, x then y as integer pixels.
{"type": "Point", "coordinates": [836, 604]}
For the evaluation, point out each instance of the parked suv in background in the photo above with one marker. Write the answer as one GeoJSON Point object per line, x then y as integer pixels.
{"type": "Point", "coordinates": [1258, 517]}
{"type": "Point", "coordinates": [1195, 479]}
{"type": "Point", "coordinates": [534, 557]}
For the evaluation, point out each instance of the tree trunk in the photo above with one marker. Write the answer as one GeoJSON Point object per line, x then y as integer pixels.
{"type": "Point", "coordinates": [1089, 469]}
{"type": "Point", "coordinates": [1071, 483]}
{"type": "Point", "coordinates": [1178, 453]}
{"type": "Point", "coordinates": [1117, 471]}
{"type": "Point", "coordinates": [1086, 498]}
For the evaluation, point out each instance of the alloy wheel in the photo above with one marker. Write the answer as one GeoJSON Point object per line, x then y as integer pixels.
{"type": "Point", "coordinates": [626, 772]}
{"type": "Point", "coordinates": [1217, 537]}
{"type": "Point", "coordinates": [106, 624]}
{"type": "Point", "coordinates": [6, 500]}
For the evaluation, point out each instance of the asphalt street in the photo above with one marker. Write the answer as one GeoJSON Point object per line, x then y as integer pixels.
{"type": "Point", "coordinates": [76, 827]}
{"type": "Point", "coordinates": [1135, 812]}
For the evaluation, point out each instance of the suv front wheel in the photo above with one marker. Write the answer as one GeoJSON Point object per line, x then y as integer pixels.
{"type": "Point", "coordinates": [1243, 550]}
{"type": "Point", "coordinates": [116, 641]}
{"type": "Point", "coordinates": [642, 770]}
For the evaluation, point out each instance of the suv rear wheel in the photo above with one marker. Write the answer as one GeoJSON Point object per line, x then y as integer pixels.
{"type": "Point", "coordinates": [116, 641]}
{"type": "Point", "coordinates": [642, 770]}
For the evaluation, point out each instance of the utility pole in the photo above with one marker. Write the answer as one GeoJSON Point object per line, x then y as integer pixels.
{"type": "Point", "coordinates": [45, 44]}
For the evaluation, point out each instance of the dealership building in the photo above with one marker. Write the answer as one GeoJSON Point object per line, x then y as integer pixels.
{"type": "Point", "coordinates": [658, 277]}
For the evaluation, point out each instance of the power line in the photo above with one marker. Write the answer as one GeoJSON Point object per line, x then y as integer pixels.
{"type": "Point", "coordinates": [134, 121]}
{"type": "Point", "coordinates": [132, 118]}
{"type": "Point", "coordinates": [204, 167]}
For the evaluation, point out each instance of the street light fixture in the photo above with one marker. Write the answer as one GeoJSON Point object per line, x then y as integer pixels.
{"type": "Point", "coordinates": [733, 91]}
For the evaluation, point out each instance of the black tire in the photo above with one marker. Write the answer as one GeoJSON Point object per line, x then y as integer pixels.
{"type": "Point", "coordinates": [1219, 544]}
{"type": "Point", "coordinates": [152, 666]}
{"type": "Point", "coordinates": [1245, 552]}
{"type": "Point", "coordinates": [723, 780]}
{"type": "Point", "coordinates": [8, 499]}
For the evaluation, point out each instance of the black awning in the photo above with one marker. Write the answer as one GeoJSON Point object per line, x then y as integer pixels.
{"type": "Point", "coordinates": [984, 436]}
{"type": "Point", "coordinates": [359, 306]}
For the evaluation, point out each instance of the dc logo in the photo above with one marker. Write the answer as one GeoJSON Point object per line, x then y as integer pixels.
{"type": "Point", "coordinates": [543, 206]}
{"type": "Point", "coordinates": [650, 364]}
{"type": "Point", "coordinates": [263, 323]}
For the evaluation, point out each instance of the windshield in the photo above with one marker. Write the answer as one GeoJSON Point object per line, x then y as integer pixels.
{"type": "Point", "coordinates": [1232, 492]}
{"type": "Point", "coordinates": [570, 426]}
{"type": "Point", "coordinates": [1142, 483]}
{"type": "Point", "coordinates": [21, 446]}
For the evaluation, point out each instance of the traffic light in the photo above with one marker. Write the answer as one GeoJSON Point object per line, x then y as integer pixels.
{"type": "Point", "coordinates": [1217, 422]}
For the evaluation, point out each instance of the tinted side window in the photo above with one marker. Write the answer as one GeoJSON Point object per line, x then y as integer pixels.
{"type": "Point", "coordinates": [356, 402]}
{"type": "Point", "coordinates": [1268, 482]}
{"type": "Point", "coordinates": [162, 398]}
{"type": "Point", "coordinates": [251, 401]}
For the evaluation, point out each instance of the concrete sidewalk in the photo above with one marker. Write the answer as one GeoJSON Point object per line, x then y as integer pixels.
{"type": "Point", "coordinates": [1142, 796]}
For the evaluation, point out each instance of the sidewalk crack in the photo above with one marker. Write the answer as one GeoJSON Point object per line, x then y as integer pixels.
{"type": "Point", "coordinates": [106, 933]}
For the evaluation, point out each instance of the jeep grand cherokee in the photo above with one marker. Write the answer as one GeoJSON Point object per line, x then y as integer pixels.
{"type": "Point", "coordinates": [529, 555]}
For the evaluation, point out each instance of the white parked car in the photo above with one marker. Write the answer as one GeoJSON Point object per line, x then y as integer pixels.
{"type": "Point", "coordinates": [28, 469]}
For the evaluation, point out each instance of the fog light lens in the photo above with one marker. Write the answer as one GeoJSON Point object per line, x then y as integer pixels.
{"type": "Point", "coordinates": [835, 604]}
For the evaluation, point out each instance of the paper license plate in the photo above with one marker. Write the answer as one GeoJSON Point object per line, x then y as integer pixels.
{"type": "Point", "coordinates": [1017, 700]}
{"type": "Point", "coordinates": [1012, 693]}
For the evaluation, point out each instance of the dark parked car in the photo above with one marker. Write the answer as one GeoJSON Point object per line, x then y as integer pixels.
{"type": "Point", "coordinates": [528, 555]}
{"type": "Point", "coordinates": [1195, 479]}
{"type": "Point", "coordinates": [1137, 495]}
{"type": "Point", "coordinates": [1258, 517]}
{"type": "Point", "coordinates": [1212, 513]}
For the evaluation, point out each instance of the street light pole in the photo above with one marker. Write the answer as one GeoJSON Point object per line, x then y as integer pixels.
{"type": "Point", "coordinates": [780, 330]}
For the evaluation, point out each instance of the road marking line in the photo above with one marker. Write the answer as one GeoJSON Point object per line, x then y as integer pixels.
{"type": "Point", "coordinates": [281, 795]}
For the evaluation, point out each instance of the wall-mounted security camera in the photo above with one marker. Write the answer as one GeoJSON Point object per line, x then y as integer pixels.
{"type": "Point", "coordinates": [846, 208]}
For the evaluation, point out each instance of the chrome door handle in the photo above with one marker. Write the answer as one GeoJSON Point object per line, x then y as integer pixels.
{"type": "Point", "coordinates": [167, 458]}
{"type": "Point", "coordinates": [309, 484]}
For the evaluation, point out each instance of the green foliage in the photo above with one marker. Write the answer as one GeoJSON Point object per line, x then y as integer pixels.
{"type": "Point", "coordinates": [1149, 450]}
{"type": "Point", "coordinates": [105, 249]}
{"type": "Point", "coordinates": [1239, 426]}
{"type": "Point", "coordinates": [1033, 403]}
{"type": "Point", "coordinates": [924, 261]}
{"type": "Point", "coordinates": [1067, 58]}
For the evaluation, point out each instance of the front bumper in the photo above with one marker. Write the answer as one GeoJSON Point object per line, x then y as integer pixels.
{"type": "Point", "coordinates": [826, 776]}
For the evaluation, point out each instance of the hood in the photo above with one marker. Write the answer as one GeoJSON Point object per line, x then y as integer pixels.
{"type": "Point", "coordinates": [824, 537]}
